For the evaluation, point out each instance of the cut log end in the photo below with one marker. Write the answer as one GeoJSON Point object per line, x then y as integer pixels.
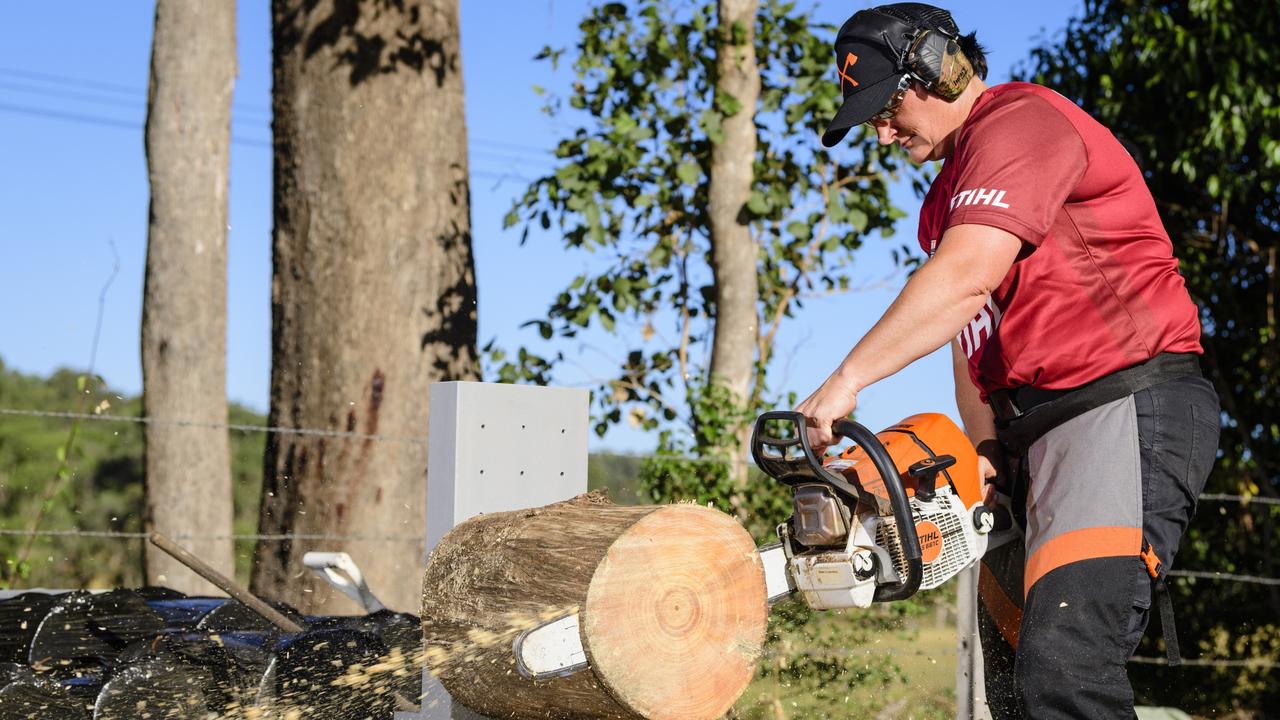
{"type": "Point", "coordinates": [676, 612]}
{"type": "Point", "coordinates": [671, 609]}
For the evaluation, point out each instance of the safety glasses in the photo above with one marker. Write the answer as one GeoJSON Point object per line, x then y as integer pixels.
{"type": "Point", "coordinates": [895, 101]}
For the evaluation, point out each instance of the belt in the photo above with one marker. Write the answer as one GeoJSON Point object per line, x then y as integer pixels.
{"type": "Point", "coordinates": [1024, 414]}
{"type": "Point", "coordinates": [1010, 404]}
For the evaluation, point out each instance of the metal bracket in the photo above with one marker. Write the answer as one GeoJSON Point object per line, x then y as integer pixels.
{"type": "Point", "coordinates": [342, 572]}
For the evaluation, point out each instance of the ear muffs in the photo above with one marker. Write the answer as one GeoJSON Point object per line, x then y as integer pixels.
{"type": "Point", "coordinates": [937, 61]}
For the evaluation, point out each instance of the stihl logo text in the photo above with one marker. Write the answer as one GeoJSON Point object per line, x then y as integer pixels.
{"type": "Point", "coordinates": [930, 541]}
{"type": "Point", "coordinates": [979, 196]}
{"type": "Point", "coordinates": [980, 329]}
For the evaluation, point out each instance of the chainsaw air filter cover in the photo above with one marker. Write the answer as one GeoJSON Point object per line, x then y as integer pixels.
{"type": "Point", "coordinates": [819, 517]}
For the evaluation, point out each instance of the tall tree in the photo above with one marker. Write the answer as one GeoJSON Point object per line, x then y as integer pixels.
{"type": "Point", "coordinates": [184, 312]}
{"type": "Point", "coordinates": [733, 249]}
{"type": "Point", "coordinates": [693, 163]}
{"type": "Point", "coordinates": [373, 293]}
{"type": "Point", "coordinates": [1193, 86]}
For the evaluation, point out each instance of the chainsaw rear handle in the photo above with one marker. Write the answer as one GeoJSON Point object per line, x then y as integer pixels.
{"type": "Point", "coordinates": [808, 468]}
{"type": "Point", "coordinates": [907, 536]}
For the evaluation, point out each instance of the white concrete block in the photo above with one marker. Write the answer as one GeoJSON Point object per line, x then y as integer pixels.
{"type": "Point", "coordinates": [494, 448]}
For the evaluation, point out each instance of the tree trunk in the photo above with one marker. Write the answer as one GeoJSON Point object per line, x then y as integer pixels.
{"type": "Point", "coordinates": [733, 250]}
{"type": "Point", "coordinates": [373, 292]}
{"type": "Point", "coordinates": [184, 311]}
{"type": "Point", "coordinates": [671, 604]}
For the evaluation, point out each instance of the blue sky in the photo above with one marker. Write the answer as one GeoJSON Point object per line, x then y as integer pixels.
{"type": "Point", "coordinates": [73, 197]}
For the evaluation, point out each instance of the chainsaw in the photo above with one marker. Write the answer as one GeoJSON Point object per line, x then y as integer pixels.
{"type": "Point", "coordinates": [894, 513]}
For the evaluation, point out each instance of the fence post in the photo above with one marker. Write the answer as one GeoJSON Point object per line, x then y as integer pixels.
{"type": "Point", "coordinates": [493, 448]}
{"type": "Point", "coordinates": [971, 696]}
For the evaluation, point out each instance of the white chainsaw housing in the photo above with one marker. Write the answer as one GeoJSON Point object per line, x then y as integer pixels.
{"type": "Point", "coordinates": [839, 578]}
{"type": "Point", "coordinates": [829, 579]}
{"type": "Point", "coordinates": [962, 543]}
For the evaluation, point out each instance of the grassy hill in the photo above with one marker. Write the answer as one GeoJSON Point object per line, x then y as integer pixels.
{"type": "Point", "coordinates": [89, 475]}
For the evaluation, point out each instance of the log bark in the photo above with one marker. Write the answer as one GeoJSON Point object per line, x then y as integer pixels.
{"type": "Point", "coordinates": [184, 309]}
{"type": "Point", "coordinates": [373, 286]}
{"type": "Point", "coordinates": [671, 603]}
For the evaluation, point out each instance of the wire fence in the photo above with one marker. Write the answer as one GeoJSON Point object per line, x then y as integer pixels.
{"type": "Point", "coordinates": [1249, 663]}
{"type": "Point", "coordinates": [418, 440]}
{"type": "Point", "coordinates": [1258, 663]}
{"type": "Point", "coordinates": [1228, 577]}
{"type": "Point", "coordinates": [121, 535]}
{"type": "Point", "coordinates": [422, 440]}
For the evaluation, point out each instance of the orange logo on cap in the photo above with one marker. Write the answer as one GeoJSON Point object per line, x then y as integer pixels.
{"type": "Point", "coordinates": [849, 61]}
{"type": "Point", "coordinates": [930, 541]}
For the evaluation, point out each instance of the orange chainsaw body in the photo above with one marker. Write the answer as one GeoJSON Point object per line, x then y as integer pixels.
{"type": "Point", "coordinates": [915, 439]}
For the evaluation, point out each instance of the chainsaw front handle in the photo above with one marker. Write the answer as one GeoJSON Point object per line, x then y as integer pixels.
{"type": "Point", "coordinates": [778, 458]}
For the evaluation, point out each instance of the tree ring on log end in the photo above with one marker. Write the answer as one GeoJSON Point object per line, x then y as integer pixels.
{"type": "Point", "coordinates": [675, 614]}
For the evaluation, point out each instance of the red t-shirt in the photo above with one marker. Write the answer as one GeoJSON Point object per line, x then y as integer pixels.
{"type": "Point", "coordinates": [1096, 288]}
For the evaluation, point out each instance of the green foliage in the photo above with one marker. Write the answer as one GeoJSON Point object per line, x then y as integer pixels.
{"type": "Point", "coordinates": [525, 367]}
{"type": "Point", "coordinates": [619, 474]}
{"type": "Point", "coordinates": [631, 186]}
{"type": "Point", "coordinates": [1194, 86]}
{"type": "Point", "coordinates": [97, 482]}
{"type": "Point", "coordinates": [699, 469]}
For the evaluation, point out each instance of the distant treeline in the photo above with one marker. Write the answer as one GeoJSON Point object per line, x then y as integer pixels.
{"type": "Point", "coordinates": [101, 486]}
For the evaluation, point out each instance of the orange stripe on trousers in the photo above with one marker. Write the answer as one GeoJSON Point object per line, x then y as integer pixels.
{"type": "Point", "coordinates": [1008, 616]}
{"type": "Point", "coordinates": [1077, 545]}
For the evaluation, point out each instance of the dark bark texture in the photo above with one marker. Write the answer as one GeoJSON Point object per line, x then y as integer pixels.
{"type": "Point", "coordinates": [184, 311]}
{"type": "Point", "coordinates": [373, 292]}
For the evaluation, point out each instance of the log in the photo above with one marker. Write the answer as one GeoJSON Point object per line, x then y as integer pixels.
{"type": "Point", "coordinates": [671, 602]}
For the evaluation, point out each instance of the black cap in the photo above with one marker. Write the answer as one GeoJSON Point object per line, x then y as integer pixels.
{"type": "Point", "coordinates": [868, 49]}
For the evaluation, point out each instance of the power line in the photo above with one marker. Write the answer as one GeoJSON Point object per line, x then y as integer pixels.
{"type": "Point", "coordinates": [71, 95]}
{"type": "Point", "coordinates": [106, 122]}
{"type": "Point", "coordinates": [263, 112]}
{"type": "Point", "coordinates": [512, 147]}
{"type": "Point", "coordinates": [500, 157]}
{"type": "Point", "coordinates": [137, 104]}
{"type": "Point", "coordinates": [78, 82]}
{"type": "Point", "coordinates": [108, 88]}
{"type": "Point", "coordinates": [500, 176]}
{"type": "Point", "coordinates": [235, 140]}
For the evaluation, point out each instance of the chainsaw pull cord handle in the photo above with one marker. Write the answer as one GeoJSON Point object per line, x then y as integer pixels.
{"type": "Point", "coordinates": [907, 535]}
